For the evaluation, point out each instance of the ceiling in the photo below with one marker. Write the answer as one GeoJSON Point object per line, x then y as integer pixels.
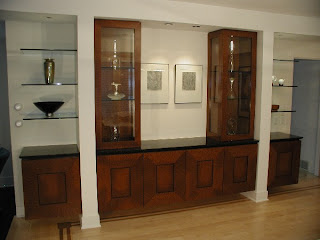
{"type": "Point", "coordinates": [308, 8]}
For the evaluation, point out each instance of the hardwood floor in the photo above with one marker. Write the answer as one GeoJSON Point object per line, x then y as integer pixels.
{"type": "Point", "coordinates": [291, 214]}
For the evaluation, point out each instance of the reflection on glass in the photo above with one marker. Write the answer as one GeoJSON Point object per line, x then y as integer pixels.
{"type": "Point", "coordinates": [232, 94]}
{"type": "Point", "coordinates": [115, 60]}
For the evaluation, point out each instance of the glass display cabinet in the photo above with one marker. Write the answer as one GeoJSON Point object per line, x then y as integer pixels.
{"type": "Point", "coordinates": [231, 84]}
{"type": "Point", "coordinates": [117, 83]}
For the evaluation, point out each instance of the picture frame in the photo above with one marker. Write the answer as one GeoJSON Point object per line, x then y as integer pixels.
{"type": "Point", "coordinates": [188, 83]}
{"type": "Point", "coordinates": [154, 83]}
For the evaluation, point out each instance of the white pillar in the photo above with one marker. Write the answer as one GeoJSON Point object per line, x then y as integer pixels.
{"type": "Point", "coordinates": [263, 113]}
{"type": "Point", "coordinates": [86, 88]}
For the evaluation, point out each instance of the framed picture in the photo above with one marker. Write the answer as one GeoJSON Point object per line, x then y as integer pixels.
{"type": "Point", "coordinates": [154, 83]}
{"type": "Point", "coordinates": [188, 87]}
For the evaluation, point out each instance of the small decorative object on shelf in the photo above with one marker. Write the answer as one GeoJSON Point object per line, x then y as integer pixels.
{"type": "Point", "coordinates": [115, 60]}
{"type": "Point", "coordinates": [274, 107]}
{"type": "Point", "coordinates": [232, 126]}
{"type": "Point", "coordinates": [115, 133]}
{"type": "Point", "coordinates": [274, 80]}
{"type": "Point", "coordinates": [116, 95]}
{"type": "Point", "coordinates": [232, 94]}
{"type": "Point", "coordinates": [281, 81]}
{"type": "Point", "coordinates": [49, 70]}
{"type": "Point", "coordinates": [49, 107]}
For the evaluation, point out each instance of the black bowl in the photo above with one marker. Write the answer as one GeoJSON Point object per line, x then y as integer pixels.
{"type": "Point", "coordinates": [49, 107]}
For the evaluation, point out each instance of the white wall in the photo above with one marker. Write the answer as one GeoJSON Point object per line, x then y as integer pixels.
{"type": "Point", "coordinates": [160, 10]}
{"type": "Point", "coordinates": [28, 68]}
{"type": "Point", "coordinates": [6, 177]}
{"type": "Point", "coordinates": [164, 121]}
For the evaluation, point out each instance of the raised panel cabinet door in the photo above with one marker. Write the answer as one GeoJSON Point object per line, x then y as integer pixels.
{"type": "Point", "coordinates": [120, 182]}
{"type": "Point", "coordinates": [204, 174]}
{"type": "Point", "coordinates": [240, 163]}
{"type": "Point", "coordinates": [164, 177]}
{"type": "Point", "coordinates": [284, 163]}
{"type": "Point", "coordinates": [51, 187]}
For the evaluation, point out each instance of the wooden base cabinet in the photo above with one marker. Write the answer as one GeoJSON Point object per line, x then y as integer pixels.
{"type": "Point", "coordinates": [204, 175]}
{"type": "Point", "coordinates": [240, 168]}
{"type": "Point", "coordinates": [51, 187]}
{"type": "Point", "coordinates": [120, 182]}
{"type": "Point", "coordinates": [284, 163]}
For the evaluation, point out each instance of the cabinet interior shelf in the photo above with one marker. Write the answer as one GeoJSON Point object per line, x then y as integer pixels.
{"type": "Point", "coordinates": [55, 116]}
{"type": "Point", "coordinates": [284, 111]}
{"type": "Point", "coordinates": [38, 50]}
{"type": "Point", "coordinates": [284, 86]}
{"type": "Point", "coordinates": [118, 68]}
{"type": "Point", "coordinates": [44, 84]}
{"type": "Point", "coordinates": [123, 99]}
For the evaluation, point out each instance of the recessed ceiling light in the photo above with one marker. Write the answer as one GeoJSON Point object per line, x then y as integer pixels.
{"type": "Point", "coordinates": [49, 17]}
{"type": "Point", "coordinates": [196, 26]}
{"type": "Point", "coordinates": [168, 24]}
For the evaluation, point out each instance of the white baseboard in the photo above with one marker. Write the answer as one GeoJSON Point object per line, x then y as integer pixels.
{"type": "Point", "coordinates": [90, 221]}
{"type": "Point", "coordinates": [256, 196]}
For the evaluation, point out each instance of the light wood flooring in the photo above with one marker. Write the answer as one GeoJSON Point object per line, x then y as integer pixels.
{"type": "Point", "coordinates": [292, 212]}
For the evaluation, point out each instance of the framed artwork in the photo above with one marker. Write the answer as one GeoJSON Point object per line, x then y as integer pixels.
{"type": "Point", "coordinates": [154, 83]}
{"type": "Point", "coordinates": [188, 87]}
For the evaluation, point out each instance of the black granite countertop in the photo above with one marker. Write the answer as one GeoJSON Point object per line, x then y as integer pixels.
{"type": "Point", "coordinates": [36, 152]}
{"type": "Point", "coordinates": [175, 144]}
{"type": "Point", "coordinates": [279, 137]}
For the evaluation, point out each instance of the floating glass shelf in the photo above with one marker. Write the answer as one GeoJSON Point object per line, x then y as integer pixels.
{"type": "Point", "coordinates": [38, 50]}
{"type": "Point", "coordinates": [44, 84]}
{"type": "Point", "coordinates": [285, 60]}
{"type": "Point", "coordinates": [283, 86]}
{"type": "Point", "coordinates": [283, 111]}
{"type": "Point", "coordinates": [55, 116]}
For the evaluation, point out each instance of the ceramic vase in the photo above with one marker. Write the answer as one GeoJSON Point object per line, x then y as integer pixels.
{"type": "Point", "coordinates": [49, 70]}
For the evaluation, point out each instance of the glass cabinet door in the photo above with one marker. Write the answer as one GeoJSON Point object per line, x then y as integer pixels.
{"type": "Point", "coordinates": [231, 84]}
{"type": "Point", "coordinates": [117, 64]}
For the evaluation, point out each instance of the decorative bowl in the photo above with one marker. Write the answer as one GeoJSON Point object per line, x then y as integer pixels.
{"type": "Point", "coordinates": [48, 107]}
{"type": "Point", "coordinates": [275, 107]}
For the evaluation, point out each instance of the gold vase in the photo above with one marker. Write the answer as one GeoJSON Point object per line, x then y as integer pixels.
{"type": "Point", "coordinates": [49, 70]}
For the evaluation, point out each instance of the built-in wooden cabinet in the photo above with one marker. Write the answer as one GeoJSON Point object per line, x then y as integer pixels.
{"type": "Point", "coordinates": [231, 84]}
{"type": "Point", "coordinates": [145, 181]}
{"type": "Point", "coordinates": [284, 163]}
{"type": "Point", "coordinates": [117, 83]}
{"type": "Point", "coordinates": [120, 182]}
{"type": "Point", "coordinates": [204, 175]}
{"type": "Point", "coordinates": [51, 187]}
{"type": "Point", "coordinates": [240, 165]}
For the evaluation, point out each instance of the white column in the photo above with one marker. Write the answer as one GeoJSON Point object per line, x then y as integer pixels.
{"type": "Point", "coordinates": [263, 113]}
{"type": "Point", "coordinates": [86, 88]}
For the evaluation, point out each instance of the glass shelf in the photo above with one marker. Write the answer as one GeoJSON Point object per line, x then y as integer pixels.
{"type": "Point", "coordinates": [123, 99]}
{"type": "Point", "coordinates": [283, 111]}
{"type": "Point", "coordinates": [39, 50]}
{"type": "Point", "coordinates": [44, 84]}
{"type": "Point", "coordinates": [234, 71]}
{"type": "Point", "coordinates": [284, 86]}
{"type": "Point", "coordinates": [55, 116]}
{"type": "Point", "coordinates": [285, 60]}
{"type": "Point", "coordinates": [118, 68]}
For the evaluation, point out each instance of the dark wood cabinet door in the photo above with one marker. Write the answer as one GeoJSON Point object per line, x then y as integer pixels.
{"type": "Point", "coordinates": [204, 173]}
{"type": "Point", "coordinates": [120, 182]}
{"type": "Point", "coordinates": [284, 163]}
{"type": "Point", "coordinates": [51, 187]}
{"type": "Point", "coordinates": [240, 165]}
{"type": "Point", "coordinates": [164, 177]}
